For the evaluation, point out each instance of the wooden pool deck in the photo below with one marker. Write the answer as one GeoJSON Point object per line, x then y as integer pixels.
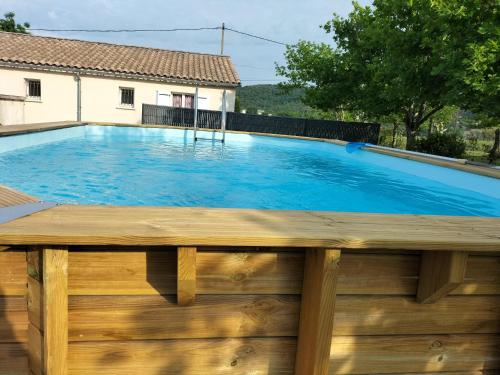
{"type": "Point", "coordinates": [10, 197]}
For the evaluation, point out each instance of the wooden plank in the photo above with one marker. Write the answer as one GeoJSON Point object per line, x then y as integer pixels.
{"type": "Point", "coordinates": [13, 359]}
{"type": "Point", "coordinates": [35, 303]}
{"type": "Point", "coordinates": [186, 275]}
{"type": "Point", "coordinates": [13, 319]}
{"type": "Point", "coordinates": [55, 310]}
{"type": "Point", "coordinates": [440, 273]}
{"type": "Point", "coordinates": [187, 357]}
{"type": "Point", "coordinates": [482, 276]}
{"type": "Point", "coordinates": [98, 318]}
{"type": "Point", "coordinates": [11, 197]}
{"type": "Point", "coordinates": [94, 318]}
{"type": "Point", "coordinates": [35, 350]}
{"type": "Point", "coordinates": [34, 128]}
{"type": "Point", "coordinates": [413, 354]}
{"type": "Point", "coordinates": [264, 356]}
{"type": "Point", "coordinates": [395, 315]}
{"type": "Point", "coordinates": [164, 226]}
{"type": "Point", "coordinates": [146, 272]}
{"type": "Point", "coordinates": [317, 311]}
{"type": "Point", "coordinates": [12, 272]}
{"type": "Point", "coordinates": [35, 347]}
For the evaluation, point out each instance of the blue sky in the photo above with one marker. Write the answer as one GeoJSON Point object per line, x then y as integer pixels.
{"type": "Point", "coordinates": [283, 20]}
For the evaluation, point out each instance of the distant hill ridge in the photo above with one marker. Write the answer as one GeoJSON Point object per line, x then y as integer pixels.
{"type": "Point", "coordinates": [271, 100]}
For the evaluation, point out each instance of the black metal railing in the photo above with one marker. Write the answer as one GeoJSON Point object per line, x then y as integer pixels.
{"type": "Point", "coordinates": [184, 117]}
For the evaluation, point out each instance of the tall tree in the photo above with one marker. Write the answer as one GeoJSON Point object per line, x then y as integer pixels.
{"type": "Point", "coordinates": [9, 24]}
{"type": "Point", "coordinates": [388, 59]}
{"type": "Point", "coordinates": [470, 43]}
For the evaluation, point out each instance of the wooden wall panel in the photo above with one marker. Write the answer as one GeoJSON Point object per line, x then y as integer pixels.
{"type": "Point", "coordinates": [159, 317]}
{"type": "Point", "coordinates": [13, 359]}
{"type": "Point", "coordinates": [154, 272]}
{"type": "Point", "coordinates": [417, 353]}
{"type": "Point", "coordinates": [13, 273]}
{"type": "Point", "coordinates": [258, 356]}
{"type": "Point", "coordinates": [395, 315]}
{"type": "Point", "coordinates": [350, 355]}
{"type": "Point", "coordinates": [13, 319]}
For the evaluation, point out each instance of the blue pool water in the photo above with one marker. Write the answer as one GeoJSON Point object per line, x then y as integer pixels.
{"type": "Point", "coordinates": [163, 167]}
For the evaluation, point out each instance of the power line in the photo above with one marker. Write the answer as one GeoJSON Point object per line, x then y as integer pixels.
{"type": "Point", "coordinates": [161, 31]}
{"type": "Point", "coordinates": [256, 36]}
{"type": "Point", "coordinates": [125, 30]}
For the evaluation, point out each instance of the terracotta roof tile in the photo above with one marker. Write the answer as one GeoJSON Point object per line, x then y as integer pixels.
{"type": "Point", "coordinates": [70, 53]}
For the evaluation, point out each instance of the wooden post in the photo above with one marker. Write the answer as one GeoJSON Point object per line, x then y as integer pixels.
{"type": "Point", "coordinates": [440, 273]}
{"type": "Point", "coordinates": [186, 275]}
{"type": "Point", "coordinates": [48, 310]}
{"type": "Point", "coordinates": [317, 311]}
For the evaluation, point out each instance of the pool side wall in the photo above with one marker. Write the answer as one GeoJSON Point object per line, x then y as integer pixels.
{"type": "Point", "coordinates": [124, 316]}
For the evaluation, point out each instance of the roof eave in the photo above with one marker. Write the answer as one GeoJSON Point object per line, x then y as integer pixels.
{"type": "Point", "coordinates": [102, 73]}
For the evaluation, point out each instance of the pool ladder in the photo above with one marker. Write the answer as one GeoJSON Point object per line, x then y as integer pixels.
{"type": "Point", "coordinates": [222, 121]}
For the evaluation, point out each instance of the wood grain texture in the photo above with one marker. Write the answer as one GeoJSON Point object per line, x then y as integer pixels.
{"type": "Point", "coordinates": [11, 197]}
{"type": "Point", "coordinates": [440, 273]}
{"type": "Point", "coordinates": [12, 272]}
{"type": "Point", "coordinates": [373, 355]}
{"type": "Point", "coordinates": [186, 357]}
{"type": "Point", "coordinates": [159, 317]}
{"type": "Point", "coordinates": [35, 350]}
{"type": "Point", "coordinates": [482, 276]}
{"type": "Point", "coordinates": [99, 318]}
{"type": "Point", "coordinates": [13, 359]}
{"type": "Point", "coordinates": [399, 354]}
{"type": "Point", "coordinates": [13, 319]}
{"type": "Point", "coordinates": [186, 275]}
{"type": "Point", "coordinates": [55, 310]}
{"type": "Point", "coordinates": [317, 311]}
{"type": "Point", "coordinates": [139, 271]}
{"type": "Point", "coordinates": [105, 225]}
{"type": "Point", "coordinates": [35, 303]}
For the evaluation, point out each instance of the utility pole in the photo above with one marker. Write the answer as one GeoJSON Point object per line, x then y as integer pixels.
{"type": "Point", "coordinates": [222, 39]}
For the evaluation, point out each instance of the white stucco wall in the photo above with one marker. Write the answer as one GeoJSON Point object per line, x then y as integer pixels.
{"type": "Point", "coordinates": [58, 100]}
{"type": "Point", "coordinates": [11, 112]}
{"type": "Point", "coordinates": [100, 100]}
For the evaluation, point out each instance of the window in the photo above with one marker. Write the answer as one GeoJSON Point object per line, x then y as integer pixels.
{"type": "Point", "coordinates": [189, 101]}
{"type": "Point", "coordinates": [183, 100]}
{"type": "Point", "coordinates": [127, 97]}
{"type": "Point", "coordinates": [33, 89]}
{"type": "Point", "coordinates": [177, 100]}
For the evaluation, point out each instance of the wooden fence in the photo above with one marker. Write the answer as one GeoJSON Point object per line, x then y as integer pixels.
{"type": "Point", "coordinates": [184, 117]}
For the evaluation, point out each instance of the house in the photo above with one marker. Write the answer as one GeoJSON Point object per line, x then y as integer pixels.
{"type": "Point", "coordinates": [46, 79]}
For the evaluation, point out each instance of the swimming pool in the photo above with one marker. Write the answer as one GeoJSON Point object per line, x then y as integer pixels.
{"type": "Point", "coordinates": [164, 167]}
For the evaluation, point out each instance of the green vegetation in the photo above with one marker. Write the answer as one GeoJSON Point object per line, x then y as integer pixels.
{"type": "Point", "coordinates": [270, 99]}
{"type": "Point", "coordinates": [404, 62]}
{"type": "Point", "coordinates": [282, 101]}
{"type": "Point", "coordinates": [9, 24]}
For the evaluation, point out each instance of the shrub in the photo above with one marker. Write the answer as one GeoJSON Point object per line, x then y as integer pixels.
{"type": "Point", "coordinates": [443, 144]}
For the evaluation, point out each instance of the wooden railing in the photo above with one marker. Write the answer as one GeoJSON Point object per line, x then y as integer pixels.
{"type": "Point", "coordinates": [224, 291]}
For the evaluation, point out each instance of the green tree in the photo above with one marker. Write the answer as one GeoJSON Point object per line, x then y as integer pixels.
{"type": "Point", "coordinates": [237, 104]}
{"type": "Point", "coordinates": [9, 24]}
{"type": "Point", "coordinates": [470, 43]}
{"type": "Point", "coordinates": [390, 59]}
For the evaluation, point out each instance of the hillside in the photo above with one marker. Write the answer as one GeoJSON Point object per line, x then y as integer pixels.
{"type": "Point", "coordinates": [271, 100]}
